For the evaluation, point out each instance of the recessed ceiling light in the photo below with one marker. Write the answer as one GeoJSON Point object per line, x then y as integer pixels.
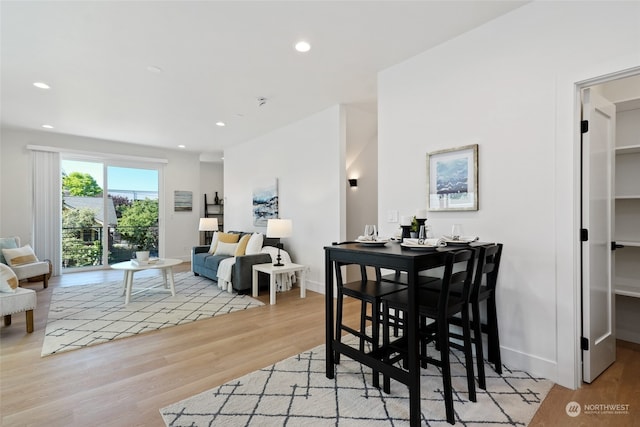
{"type": "Point", "coordinates": [221, 124]}
{"type": "Point", "coordinates": [154, 69]}
{"type": "Point", "coordinates": [303, 46]}
{"type": "Point", "coordinates": [42, 85]}
{"type": "Point", "coordinates": [47, 126]}
{"type": "Point", "coordinates": [182, 146]}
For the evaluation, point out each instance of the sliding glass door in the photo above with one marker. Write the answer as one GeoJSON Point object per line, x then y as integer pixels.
{"type": "Point", "coordinates": [133, 192]}
{"type": "Point", "coordinates": [108, 212]}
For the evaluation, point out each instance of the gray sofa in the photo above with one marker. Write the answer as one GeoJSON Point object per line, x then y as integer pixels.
{"type": "Point", "coordinates": [205, 264]}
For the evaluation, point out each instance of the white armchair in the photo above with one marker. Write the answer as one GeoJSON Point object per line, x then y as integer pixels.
{"type": "Point", "coordinates": [25, 267]}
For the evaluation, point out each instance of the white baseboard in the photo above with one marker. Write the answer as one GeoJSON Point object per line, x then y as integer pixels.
{"type": "Point", "coordinates": [626, 335]}
{"type": "Point", "coordinates": [533, 365]}
{"type": "Point", "coordinates": [315, 286]}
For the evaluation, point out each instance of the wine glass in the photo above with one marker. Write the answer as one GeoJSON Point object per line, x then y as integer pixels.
{"type": "Point", "coordinates": [370, 232]}
{"type": "Point", "coordinates": [456, 232]}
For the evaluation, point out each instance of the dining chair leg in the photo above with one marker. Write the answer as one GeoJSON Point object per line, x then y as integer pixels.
{"type": "Point", "coordinates": [386, 381]}
{"type": "Point", "coordinates": [468, 354]}
{"type": "Point", "coordinates": [375, 338]}
{"type": "Point", "coordinates": [363, 322]}
{"type": "Point", "coordinates": [423, 346]}
{"type": "Point", "coordinates": [339, 301]}
{"type": "Point", "coordinates": [443, 341]}
{"type": "Point", "coordinates": [493, 338]}
{"type": "Point", "coordinates": [477, 339]}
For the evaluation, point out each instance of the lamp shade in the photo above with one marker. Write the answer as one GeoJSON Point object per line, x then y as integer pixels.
{"type": "Point", "coordinates": [208, 224]}
{"type": "Point", "coordinates": [279, 228]}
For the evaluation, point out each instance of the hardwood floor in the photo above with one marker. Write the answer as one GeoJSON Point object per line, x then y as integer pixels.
{"type": "Point", "coordinates": [126, 382]}
{"type": "Point", "coordinates": [618, 385]}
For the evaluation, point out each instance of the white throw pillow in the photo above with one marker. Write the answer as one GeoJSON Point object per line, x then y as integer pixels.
{"type": "Point", "coordinates": [226, 248]}
{"type": "Point", "coordinates": [255, 244]}
{"type": "Point", "coordinates": [8, 279]}
{"type": "Point", "coordinates": [6, 243]}
{"type": "Point", "coordinates": [20, 256]}
{"type": "Point", "coordinates": [214, 242]}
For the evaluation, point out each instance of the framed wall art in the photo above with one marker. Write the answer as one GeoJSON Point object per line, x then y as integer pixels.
{"type": "Point", "coordinates": [452, 179]}
{"type": "Point", "coordinates": [183, 201]}
{"type": "Point", "coordinates": [265, 203]}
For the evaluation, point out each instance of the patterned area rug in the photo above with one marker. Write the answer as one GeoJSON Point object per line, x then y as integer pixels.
{"type": "Point", "coordinates": [296, 392]}
{"type": "Point", "coordinates": [80, 316]}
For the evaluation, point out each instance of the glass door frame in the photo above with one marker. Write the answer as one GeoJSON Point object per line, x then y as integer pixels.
{"type": "Point", "coordinates": [125, 162]}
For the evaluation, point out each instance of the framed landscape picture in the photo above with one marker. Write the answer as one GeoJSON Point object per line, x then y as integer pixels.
{"type": "Point", "coordinates": [452, 179]}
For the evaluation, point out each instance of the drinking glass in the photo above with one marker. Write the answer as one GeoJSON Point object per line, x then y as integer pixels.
{"type": "Point", "coordinates": [456, 231]}
{"type": "Point", "coordinates": [370, 232]}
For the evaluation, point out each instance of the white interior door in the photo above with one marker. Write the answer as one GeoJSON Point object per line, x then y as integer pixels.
{"type": "Point", "coordinates": [598, 299]}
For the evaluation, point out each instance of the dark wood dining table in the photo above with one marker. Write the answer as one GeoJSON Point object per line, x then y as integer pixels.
{"type": "Point", "coordinates": [391, 256]}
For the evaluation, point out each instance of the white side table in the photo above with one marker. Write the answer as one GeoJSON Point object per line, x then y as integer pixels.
{"type": "Point", "coordinates": [272, 271]}
{"type": "Point", "coordinates": [163, 264]}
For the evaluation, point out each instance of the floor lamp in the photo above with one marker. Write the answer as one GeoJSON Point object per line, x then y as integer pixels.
{"type": "Point", "coordinates": [208, 225]}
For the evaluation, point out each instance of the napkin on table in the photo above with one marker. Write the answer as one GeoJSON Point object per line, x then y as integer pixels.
{"type": "Point", "coordinates": [427, 242]}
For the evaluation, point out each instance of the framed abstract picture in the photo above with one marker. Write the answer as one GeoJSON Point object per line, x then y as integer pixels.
{"type": "Point", "coordinates": [183, 201]}
{"type": "Point", "coordinates": [452, 179]}
{"type": "Point", "coordinates": [265, 203]}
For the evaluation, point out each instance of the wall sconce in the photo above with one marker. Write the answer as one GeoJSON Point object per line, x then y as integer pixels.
{"type": "Point", "coordinates": [353, 183]}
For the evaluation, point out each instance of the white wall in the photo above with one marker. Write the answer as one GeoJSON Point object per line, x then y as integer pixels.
{"type": "Point", "coordinates": [361, 163]}
{"type": "Point", "coordinates": [497, 86]}
{"type": "Point", "coordinates": [182, 172]}
{"type": "Point", "coordinates": [307, 158]}
{"type": "Point", "coordinates": [211, 181]}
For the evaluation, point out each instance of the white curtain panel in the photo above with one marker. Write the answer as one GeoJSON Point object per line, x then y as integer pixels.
{"type": "Point", "coordinates": [47, 242]}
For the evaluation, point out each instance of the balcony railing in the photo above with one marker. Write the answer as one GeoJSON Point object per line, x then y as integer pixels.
{"type": "Point", "coordinates": [83, 247]}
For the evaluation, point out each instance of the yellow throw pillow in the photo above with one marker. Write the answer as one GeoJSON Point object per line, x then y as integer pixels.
{"type": "Point", "coordinates": [242, 245]}
{"type": "Point", "coordinates": [8, 279]}
{"type": "Point", "coordinates": [219, 236]}
{"type": "Point", "coordinates": [19, 256]}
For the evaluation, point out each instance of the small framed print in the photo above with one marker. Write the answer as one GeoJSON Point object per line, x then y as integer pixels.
{"type": "Point", "coordinates": [452, 179]}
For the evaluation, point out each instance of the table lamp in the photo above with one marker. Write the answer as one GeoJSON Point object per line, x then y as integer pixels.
{"type": "Point", "coordinates": [279, 228]}
{"type": "Point", "coordinates": [208, 224]}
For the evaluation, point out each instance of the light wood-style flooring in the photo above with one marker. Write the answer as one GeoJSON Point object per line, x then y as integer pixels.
{"type": "Point", "coordinates": [126, 382]}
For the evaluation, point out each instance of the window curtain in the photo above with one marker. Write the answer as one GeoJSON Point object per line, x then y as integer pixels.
{"type": "Point", "coordinates": [47, 225]}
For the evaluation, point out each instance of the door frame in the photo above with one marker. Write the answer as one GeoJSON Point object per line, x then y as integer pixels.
{"type": "Point", "coordinates": [568, 209]}
{"type": "Point", "coordinates": [119, 160]}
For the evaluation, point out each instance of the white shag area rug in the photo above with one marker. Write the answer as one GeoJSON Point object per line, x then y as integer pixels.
{"type": "Point", "coordinates": [80, 316]}
{"type": "Point", "coordinates": [296, 392]}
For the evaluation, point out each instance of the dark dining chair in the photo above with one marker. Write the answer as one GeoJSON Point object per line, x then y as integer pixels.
{"type": "Point", "coordinates": [369, 293]}
{"type": "Point", "coordinates": [483, 289]}
{"type": "Point", "coordinates": [438, 308]}
{"type": "Point", "coordinates": [400, 277]}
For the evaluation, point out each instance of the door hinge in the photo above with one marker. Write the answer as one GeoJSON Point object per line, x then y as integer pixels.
{"type": "Point", "coordinates": [584, 126]}
{"type": "Point", "coordinates": [584, 235]}
{"type": "Point", "coordinates": [584, 343]}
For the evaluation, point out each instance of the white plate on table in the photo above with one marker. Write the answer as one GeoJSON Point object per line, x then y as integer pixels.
{"type": "Point", "coordinates": [462, 241]}
{"type": "Point", "coordinates": [419, 247]}
{"type": "Point", "coordinates": [379, 242]}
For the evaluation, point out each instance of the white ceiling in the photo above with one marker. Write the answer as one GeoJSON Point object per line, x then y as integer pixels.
{"type": "Point", "coordinates": [217, 58]}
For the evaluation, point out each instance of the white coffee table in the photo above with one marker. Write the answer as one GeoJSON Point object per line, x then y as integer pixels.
{"type": "Point", "coordinates": [163, 264]}
{"type": "Point", "coordinates": [272, 270]}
